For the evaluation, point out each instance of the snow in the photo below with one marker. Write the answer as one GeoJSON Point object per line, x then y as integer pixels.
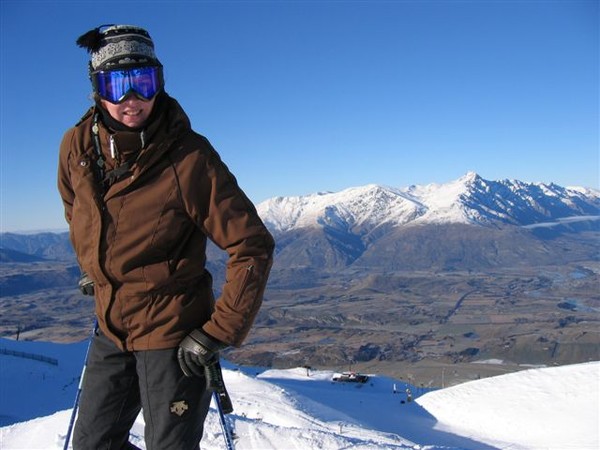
{"type": "Point", "coordinates": [545, 408]}
{"type": "Point", "coordinates": [442, 200]}
{"type": "Point", "coordinates": [468, 200]}
{"type": "Point", "coordinates": [353, 207]}
{"type": "Point", "coordinates": [541, 408]}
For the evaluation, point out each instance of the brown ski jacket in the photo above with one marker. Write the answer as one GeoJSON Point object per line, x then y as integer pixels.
{"type": "Point", "coordinates": [143, 239]}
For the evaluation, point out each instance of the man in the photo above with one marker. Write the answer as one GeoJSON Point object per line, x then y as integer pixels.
{"type": "Point", "coordinates": [142, 193]}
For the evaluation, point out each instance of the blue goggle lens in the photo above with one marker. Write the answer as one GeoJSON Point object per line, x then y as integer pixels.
{"type": "Point", "coordinates": [115, 85]}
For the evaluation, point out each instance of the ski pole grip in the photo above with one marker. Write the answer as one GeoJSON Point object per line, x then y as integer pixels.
{"type": "Point", "coordinates": [216, 384]}
{"type": "Point", "coordinates": [214, 377]}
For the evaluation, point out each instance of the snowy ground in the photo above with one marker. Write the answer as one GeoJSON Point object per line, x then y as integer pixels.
{"type": "Point", "coordinates": [549, 408]}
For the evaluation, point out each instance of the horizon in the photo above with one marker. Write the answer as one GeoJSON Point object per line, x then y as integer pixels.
{"type": "Point", "coordinates": [300, 97]}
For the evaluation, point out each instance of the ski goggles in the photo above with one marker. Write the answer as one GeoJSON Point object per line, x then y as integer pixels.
{"type": "Point", "coordinates": [115, 85]}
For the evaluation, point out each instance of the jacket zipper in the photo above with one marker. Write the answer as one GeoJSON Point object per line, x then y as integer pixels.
{"type": "Point", "coordinates": [247, 275]}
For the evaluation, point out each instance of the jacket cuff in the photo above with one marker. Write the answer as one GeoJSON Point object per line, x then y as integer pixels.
{"type": "Point", "coordinates": [210, 342]}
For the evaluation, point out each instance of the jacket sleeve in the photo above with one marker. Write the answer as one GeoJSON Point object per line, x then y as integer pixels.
{"type": "Point", "coordinates": [65, 188]}
{"type": "Point", "coordinates": [230, 220]}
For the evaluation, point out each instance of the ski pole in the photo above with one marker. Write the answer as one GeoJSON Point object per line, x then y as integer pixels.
{"type": "Point", "coordinates": [224, 427]}
{"type": "Point", "coordinates": [215, 383]}
{"type": "Point", "coordinates": [79, 388]}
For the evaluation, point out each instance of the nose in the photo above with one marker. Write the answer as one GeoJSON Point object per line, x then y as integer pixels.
{"type": "Point", "coordinates": [130, 97]}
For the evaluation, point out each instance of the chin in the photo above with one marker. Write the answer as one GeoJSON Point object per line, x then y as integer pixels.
{"type": "Point", "coordinates": [133, 123]}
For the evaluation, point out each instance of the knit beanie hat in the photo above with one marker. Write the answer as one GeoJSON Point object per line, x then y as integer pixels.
{"type": "Point", "coordinates": [118, 46]}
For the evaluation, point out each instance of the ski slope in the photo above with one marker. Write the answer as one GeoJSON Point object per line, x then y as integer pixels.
{"type": "Point", "coordinates": [547, 408]}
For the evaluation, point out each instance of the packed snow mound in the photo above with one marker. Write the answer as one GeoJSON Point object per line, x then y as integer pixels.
{"type": "Point", "coordinates": [549, 408]}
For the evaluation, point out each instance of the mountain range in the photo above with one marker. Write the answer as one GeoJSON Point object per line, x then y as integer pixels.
{"type": "Point", "coordinates": [468, 200]}
{"type": "Point", "coordinates": [465, 223]}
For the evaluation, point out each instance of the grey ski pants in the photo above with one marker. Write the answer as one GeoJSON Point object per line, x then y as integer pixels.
{"type": "Point", "coordinates": [117, 385]}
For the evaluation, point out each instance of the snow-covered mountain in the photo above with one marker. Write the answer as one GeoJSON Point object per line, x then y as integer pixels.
{"type": "Point", "coordinates": [468, 200]}
{"type": "Point", "coordinates": [550, 408]}
{"type": "Point", "coordinates": [469, 223]}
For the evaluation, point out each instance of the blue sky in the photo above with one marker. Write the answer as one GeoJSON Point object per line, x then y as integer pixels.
{"type": "Point", "coordinates": [307, 96]}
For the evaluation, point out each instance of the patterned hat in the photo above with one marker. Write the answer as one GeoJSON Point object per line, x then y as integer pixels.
{"type": "Point", "coordinates": [118, 46]}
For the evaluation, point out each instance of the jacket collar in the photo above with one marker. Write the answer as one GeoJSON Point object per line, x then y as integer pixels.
{"type": "Point", "coordinates": [142, 149]}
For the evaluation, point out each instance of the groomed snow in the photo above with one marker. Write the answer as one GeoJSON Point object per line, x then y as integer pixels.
{"type": "Point", "coordinates": [545, 408]}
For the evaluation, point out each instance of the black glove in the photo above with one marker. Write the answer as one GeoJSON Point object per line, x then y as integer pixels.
{"type": "Point", "coordinates": [196, 351]}
{"type": "Point", "coordinates": [86, 284]}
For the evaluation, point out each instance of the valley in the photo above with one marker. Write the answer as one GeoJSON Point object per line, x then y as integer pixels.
{"type": "Point", "coordinates": [431, 327]}
{"type": "Point", "coordinates": [417, 323]}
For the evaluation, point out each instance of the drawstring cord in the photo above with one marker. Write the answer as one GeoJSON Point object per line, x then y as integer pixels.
{"type": "Point", "coordinates": [100, 164]}
{"type": "Point", "coordinates": [108, 178]}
